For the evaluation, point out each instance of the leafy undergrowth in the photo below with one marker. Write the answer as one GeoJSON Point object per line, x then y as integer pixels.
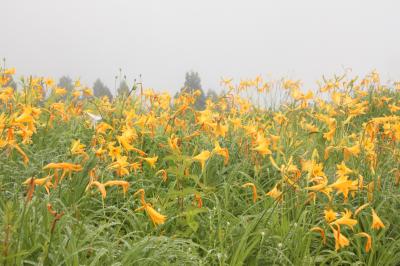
{"type": "Point", "coordinates": [140, 181]}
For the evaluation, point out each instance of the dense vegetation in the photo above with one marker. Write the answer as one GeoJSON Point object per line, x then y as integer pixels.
{"type": "Point", "coordinates": [144, 179]}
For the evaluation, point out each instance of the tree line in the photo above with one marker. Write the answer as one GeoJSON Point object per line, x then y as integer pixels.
{"type": "Point", "coordinates": [192, 83]}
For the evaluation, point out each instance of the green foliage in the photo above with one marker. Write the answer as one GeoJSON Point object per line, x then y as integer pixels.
{"type": "Point", "coordinates": [229, 229]}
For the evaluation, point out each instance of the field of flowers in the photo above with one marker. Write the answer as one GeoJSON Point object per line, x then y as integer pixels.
{"type": "Point", "coordinates": [146, 179]}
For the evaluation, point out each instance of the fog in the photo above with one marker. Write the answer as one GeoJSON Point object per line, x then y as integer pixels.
{"type": "Point", "coordinates": [163, 39]}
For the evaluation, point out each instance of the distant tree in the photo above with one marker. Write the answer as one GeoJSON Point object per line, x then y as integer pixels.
{"type": "Point", "coordinates": [11, 83]}
{"type": "Point", "coordinates": [123, 88]}
{"type": "Point", "coordinates": [193, 83]}
{"type": "Point", "coordinates": [66, 83]}
{"type": "Point", "coordinates": [212, 95]}
{"type": "Point", "coordinates": [100, 90]}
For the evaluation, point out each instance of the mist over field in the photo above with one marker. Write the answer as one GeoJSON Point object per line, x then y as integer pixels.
{"type": "Point", "coordinates": [199, 132]}
{"type": "Point", "coordinates": [164, 39]}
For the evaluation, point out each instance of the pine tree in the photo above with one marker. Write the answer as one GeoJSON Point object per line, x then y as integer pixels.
{"type": "Point", "coordinates": [123, 88]}
{"type": "Point", "coordinates": [66, 83]}
{"type": "Point", "coordinates": [212, 95]}
{"type": "Point", "coordinates": [100, 90]}
{"type": "Point", "coordinates": [193, 83]}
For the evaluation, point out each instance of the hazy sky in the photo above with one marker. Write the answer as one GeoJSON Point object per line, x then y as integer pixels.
{"type": "Point", "coordinates": [164, 39]}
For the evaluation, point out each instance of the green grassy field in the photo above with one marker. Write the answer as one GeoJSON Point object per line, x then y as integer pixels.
{"type": "Point", "coordinates": [234, 184]}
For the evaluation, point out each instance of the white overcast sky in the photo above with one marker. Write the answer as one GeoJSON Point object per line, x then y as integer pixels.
{"type": "Point", "coordinates": [164, 39]}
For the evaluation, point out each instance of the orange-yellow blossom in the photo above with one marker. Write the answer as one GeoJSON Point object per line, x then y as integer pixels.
{"type": "Point", "coordinates": [151, 161]}
{"type": "Point", "coordinates": [330, 215]}
{"type": "Point", "coordinates": [202, 158]}
{"type": "Point", "coordinates": [155, 217]}
{"type": "Point", "coordinates": [321, 231]}
{"type": "Point", "coordinates": [340, 240]}
{"type": "Point", "coordinates": [45, 182]}
{"type": "Point", "coordinates": [275, 193]}
{"type": "Point", "coordinates": [253, 188]}
{"type": "Point", "coordinates": [345, 220]}
{"type": "Point", "coordinates": [221, 151]}
{"type": "Point", "coordinates": [164, 174]}
{"type": "Point", "coordinates": [376, 221]}
{"type": "Point", "coordinates": [121, 183]}
{"type": "Point", "coordinates": [100, 187]}
{"type": "Point", "coordinates": [369, 241]}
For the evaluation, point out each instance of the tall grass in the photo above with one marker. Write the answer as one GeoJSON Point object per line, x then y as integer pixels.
{"type": "Point", "coordinates": [229, 229]}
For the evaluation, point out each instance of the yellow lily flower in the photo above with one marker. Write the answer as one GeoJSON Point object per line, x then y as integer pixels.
{"type": "Point", "coordinates": [359, 209]}
{"type": "Point", "coordinates": [275, 193]}
{"type": "Point", "coordinates": [345, 220]}
{"type": "Point", "coordinates": [221, 151]}
{"type": "Point", "coordinates": [330, 215]}
{"type": "Point", "coordinates": [263, 149]}
{"type": "Point", "coordinates": [254, 189]}
{"type": "Point", "coordinates": [376, 221]}
{"type": "Point", "coordinates": [45, 182]}
{"type": "Point", "coordinates": [342, 185]}
{"type": "Point", "coordinates": [14, 145]}
{"type": "Point", "coordinates": [151, 161]}
{"type": "Point", "coordinates": [100, 187]}
{"type": "Point", "coordinates": [123, 184]}
{"type": "Point", "coordinates": [113, 152]}
{"type": "Point", "coordinates": [155, 217]}
{"type": "Point", "coordinates": [79, 148]}
{"type": "Point", "coordinates": [342, 169]}
{"type": "Point", "coordinates": [164, 174]}
{"type": "Point", "coordinates": [351, 151]}
{"type": "Point", "coordinates": [66, 167]}
{"type": "Point", "coordinates": [198, 199]}
{"type": "Point", "coordinates": [220, 130]}
{"type": "Point", "coordinates": [60, 91]}
{"type": "Point", "coordinates": [321, 231]}
{"type": "Point", "coordinates": [173, 143]}
{"type": "Point", "coordinates": [262, 145]}
{"type": "Point", "coordinates": [120, 166]}
{"type": "Point", "coordinates": [202, 158]}
{"type": "Point", "coordinates": [102, 127]}
{"type": "Point", "coordinates": [369, 241]}
{"type": "Point", "coordinates": [340, 240]}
